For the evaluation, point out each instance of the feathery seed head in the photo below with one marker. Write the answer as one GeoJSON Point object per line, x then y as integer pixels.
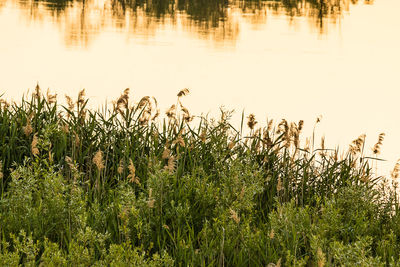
{"type": "Point", "coordinates": [179, 140]}
{"type": "Point", "coordinates": [283, 127]}
{"type": "Point", "coordinates": [279, 185]}
{"type": "Point", "coordinates": [28, 128]}
{"type": "Point", "coordinates": [357, 144]}
{"type": "Point", "coordinates": [120, 168]}
{"type": "Point", "coordinates": [77, 140]}
{"type": "Point", "coordinates": [81, 97]}
{"type": "Point", "coordinates": [4, 103]}
{"type": "Point", "coordinates": [272, 234]}
{"type": "Point", "coordinates": [132, 173]}
{"type": "Point", "coordinates": [321, 258]}
{"type": "Point", "coordinates": [145, 101]}
{"type": "Point", "coordinates": [98, 160]}
{"type": "Point", "coordinates": [319, 118]}
{"type": "Point", "coordinates": [166, 153]}
{"type": "Point", "coordinates": [234, 216]}
{"type": "Point", "coordinates": [171, 164]}
{"type": "Point", "coordinates": [70, 103]}
{"type": "Point", "coordinates": [186, 114]}
{"type": "Point", "coordinates": [377, 147]}
{"type": "Point", "coordinates": [231, 145]}
{"type": "Point", "coordinates": [68, 160]}
{"type": "Point", "coordinates": [251, 122]}
{"type": "Point", "coordinates": [183, 92]}
{"type": "Point", "coordinates": [269, 127]}
{"type": "Point", "coordinates": [37, 92]}
{"type": "Point", "coordinates": [396, 170]}
{"type": "Point", "coordinates": [51, 99]}
{"type": "Point", "coordinates": [123, 101]}
{"type": "Point", "coordinates": [300, 125]}
{"type": "Point", "coordinates": [144, 118]}
{"type": "Point", "coordinates": [203, 135]}
{"type": "Point", "coordinates": [155, 116]}
{"type": "Point", "coordinates": [242, 191]}
{"type": "Point", "coordinates": [171, 112]}
{"type": "Point", "coordinates": [34, 149]}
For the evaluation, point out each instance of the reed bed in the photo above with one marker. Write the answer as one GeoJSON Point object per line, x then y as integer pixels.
{"type": "Point", "coordinates": [126, 186]}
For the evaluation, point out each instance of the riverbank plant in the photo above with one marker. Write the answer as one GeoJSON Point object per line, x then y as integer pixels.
{"type": "Point", "coordinates": [123, 187]}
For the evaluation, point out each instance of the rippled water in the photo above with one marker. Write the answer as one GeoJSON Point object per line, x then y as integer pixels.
{"type": "Point", "coordinates": [282, 59]}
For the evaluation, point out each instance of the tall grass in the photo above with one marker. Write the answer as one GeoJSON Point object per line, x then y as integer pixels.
{"type": "Point", "coordinates": [122, 186]}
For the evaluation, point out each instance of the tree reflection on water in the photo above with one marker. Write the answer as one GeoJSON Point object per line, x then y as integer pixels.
{"type": "Point", "coordinates": [219, 20]}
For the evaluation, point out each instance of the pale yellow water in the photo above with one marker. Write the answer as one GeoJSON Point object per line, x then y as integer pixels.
{"type": "Point", "coordinates": [257, 59]}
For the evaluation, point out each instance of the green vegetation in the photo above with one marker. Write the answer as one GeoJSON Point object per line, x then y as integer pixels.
{"type": "Point", "coordinates": [119, 187]}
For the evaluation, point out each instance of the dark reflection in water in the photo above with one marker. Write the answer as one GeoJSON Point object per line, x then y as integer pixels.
{"type": "Point", "coordinates": [219, 20]}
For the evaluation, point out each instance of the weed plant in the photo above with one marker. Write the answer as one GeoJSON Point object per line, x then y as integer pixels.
{"type": "Point", "coordinates": [122, 187]}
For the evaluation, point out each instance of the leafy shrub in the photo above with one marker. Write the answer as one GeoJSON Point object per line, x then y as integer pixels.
{"type": "Point", "coordinates": [40, 202]}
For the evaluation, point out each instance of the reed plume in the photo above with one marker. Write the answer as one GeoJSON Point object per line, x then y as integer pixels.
{"type": "Point", "coordinates": [231, 145]}
{"type": "Point", "coordinates": [34, 149]}
{"type": "Point", "coordinates": [295, 134]}
{"type": "Point", "coordinates": [171, 164]}
{"type": "Point", "coordinates": [145, 117]}
{"type": "Point", "coordinates": [242, 191]}
{"type": "Point", "coordinates": [98, 160]}
{"type": "Point", "coordinates": [166, 153]}
{"type": "Point", "coordinates": [77, 140]}
{"type": "Point", "coordinates": [269, 126]}
{"type": "Point", "coordinates": [357, 145]}
{"type": "Point", "coordinates": [123, 101]}
{"type": "Point", "coordinates": [283, 127]}
{"type": "Point", "coordinates": [300, 125]}
{"type": "Point", "coordinates": [51, 99]}
{"type": "Point", "coordinates": [376, 150]}
{"type": "Point", "coordinates": [132, 173]}
{"type": "Point", "coordinates": [145, 101]}
{"type": "Point", "coordinates": [37, 92]}
{"type": "Point", "coordinates": [186, 114]}
{"type": "Point", "coordinates": [234, 216]}
{"type": "Point", "coordinates": [69, 162]}
{"type": "Point", "coordinates": [155, 116]}
{"type": "Point", "coordinates": [321, 258]}
{"type": "Point", "coordinates": [203, 135]}
{"type": "Point", "coordinates": [4, 103]}
{"type": "Point", "coordinates": [70, 103]}
{"type": "Point", "coordinates": [183, 92]}
{"type": "Point", "coordinates": [179, 140]}
{"type": "Point", "coordinates": [251, 122]}
{"type": "Point", "coordinates": [120, 168]}
{"type": "Point", "coordinates": [171, 112]}
{"type": "Point", "coordinates": [396, 170]}
{"type": "Point", "coordinates": [81, 97]}
{"type": "Point", "coordinates": [279, 185]}
{"type": "Point", "coordinates": [28, 128]}
{"type": "Point", "coordinates": [271, 234]}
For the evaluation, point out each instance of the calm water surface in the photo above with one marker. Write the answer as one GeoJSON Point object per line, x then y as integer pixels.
{"type": "Point", "coordinates": [293, 59]}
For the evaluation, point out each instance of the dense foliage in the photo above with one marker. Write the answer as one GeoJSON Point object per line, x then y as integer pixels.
{"type": "Point", "coordinates": [119, 187]}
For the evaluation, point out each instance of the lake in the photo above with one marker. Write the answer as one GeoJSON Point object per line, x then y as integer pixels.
{"type": "Point", "coordinates": [277, 59]}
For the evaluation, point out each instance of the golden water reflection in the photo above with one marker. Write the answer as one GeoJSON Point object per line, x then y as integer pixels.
{"type": "Point", "coordinates": [82, 20]}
